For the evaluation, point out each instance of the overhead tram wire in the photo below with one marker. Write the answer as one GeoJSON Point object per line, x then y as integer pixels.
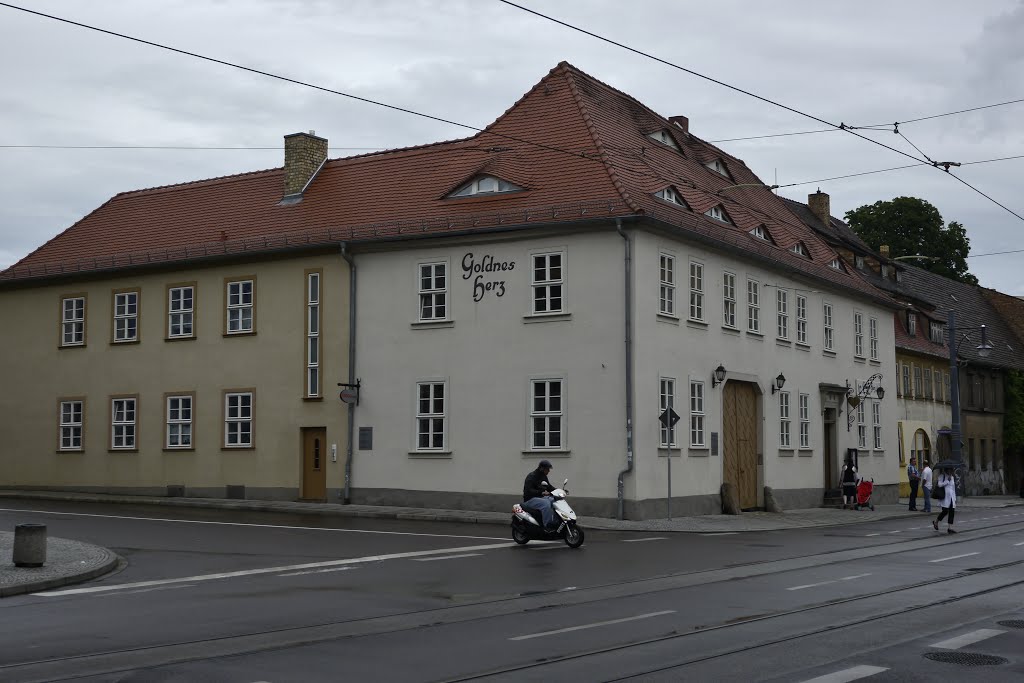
{"type": "Point", "coordinates": [840, 126]}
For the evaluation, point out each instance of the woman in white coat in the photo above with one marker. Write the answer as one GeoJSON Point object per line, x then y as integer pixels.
{"type": "Point", "coordinates": [947, 481]}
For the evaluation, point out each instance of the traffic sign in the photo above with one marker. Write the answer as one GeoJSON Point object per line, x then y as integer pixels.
{"type": "Point", "coordinates": [669, 418]}
{"type": "Point", "coordinates": [348, 395]}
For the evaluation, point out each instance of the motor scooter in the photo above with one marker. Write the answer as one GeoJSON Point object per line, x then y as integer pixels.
{"type": "Point", "coordinates": [528, 525]}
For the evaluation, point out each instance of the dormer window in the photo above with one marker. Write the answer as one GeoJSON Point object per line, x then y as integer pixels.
{"type": "Point", "coordinates": [935, 332]}
{"type": "Point", "coordinates": [664, 137]}
{"type": "Point", "coordinates": [912, 324]}
{"type": "Point", "coordinates": [759, 232]}
{"type": "Point", "coordinates": [718, 166]}
{"type": "Point", "coordinates": [485, 184]}
{"type": "Point", "coordinates": [669, 194]}
{"type": "Point", "coordinates": [800, 249]}
{"type": "Point", "coordinates": [860, 262]}
{"type": "Point", "coordinates": [835, 264]}
{"type": "Point", "coordinates": [718, 213]}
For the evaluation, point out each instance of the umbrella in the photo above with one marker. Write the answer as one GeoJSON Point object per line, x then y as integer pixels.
{"type": "Point", "coordinates": [950, 464]}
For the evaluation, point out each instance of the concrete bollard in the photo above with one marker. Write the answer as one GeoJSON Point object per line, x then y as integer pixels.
{"type": "Point", "coordinates": [30, 545]}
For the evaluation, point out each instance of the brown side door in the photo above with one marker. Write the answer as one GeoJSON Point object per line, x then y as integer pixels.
{"type": "Point", "coordinates": [739, 454]}
{"type": "Point", "coordinates": [314, 464]}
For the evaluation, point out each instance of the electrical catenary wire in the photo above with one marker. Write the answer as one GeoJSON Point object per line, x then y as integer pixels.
{"type": "Point", "coordinates": [840, 126]}
{"type": "Point", "coordinates": [896, 168]}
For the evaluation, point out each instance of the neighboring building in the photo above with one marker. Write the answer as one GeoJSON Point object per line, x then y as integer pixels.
{"type": "Point", "coordinates": [544, 289]}
{"type": "Point", "coordinates": [1011, 309]}
{"type": "Point", "coordinates": [180, 341]}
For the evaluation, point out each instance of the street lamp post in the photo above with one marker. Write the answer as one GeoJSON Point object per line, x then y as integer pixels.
{"type": "Point", "coordinates": [984, 349]}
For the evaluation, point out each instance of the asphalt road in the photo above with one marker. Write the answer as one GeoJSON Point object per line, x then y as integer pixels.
{"type": "Point", "coordinates": [212, 595]}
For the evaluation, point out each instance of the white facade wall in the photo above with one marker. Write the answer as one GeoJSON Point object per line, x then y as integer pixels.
{"type": "Point", "coordinates": [487, 355]}
{"type": "Point", "coordinates": [490, 349]}
{"type": "Point", "coordinates": [688, 350]}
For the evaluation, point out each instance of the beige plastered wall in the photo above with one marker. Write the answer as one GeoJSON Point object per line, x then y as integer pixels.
{"type": "Point", "coordinates": [36, 372]}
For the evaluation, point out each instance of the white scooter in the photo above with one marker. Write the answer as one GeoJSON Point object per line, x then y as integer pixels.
{"type": "Point", "coordinates": [528, 525]}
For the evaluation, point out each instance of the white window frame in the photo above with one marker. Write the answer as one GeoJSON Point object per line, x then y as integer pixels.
{"type": "Point", "coordinates": [123, 423]}
{"type": "Point", "coordinates": [126, 316]}
{"type": "Point", "coordinates": [753, 306]}
{"type": "Point", "coordinates": [798, 248]}
{"type": "Point", "coordinates": [782, 313]}
{"type": "Point", "coordinates": [314, 344]}
{"type": "Point", "coordinates": [697, 414]}
{"type": "Point", "coordinates": [918, 381]}
{"type": "Point", "coordinates": [760, 233]}
{"type": "Point", "coordinates": [876, 424]}
{"type": "Point", "coordinates": [873, 338]}
{"type": "Point", "coordinates": [805, 420]}
{"type": "Point", "coordinates": [929, 393]}
{"type": "Point", "coordinates": [862, 430]}
{"type": "Point", "coordinates": [801, 319]}
{"type": "Point", "coordinates": [240, 302]}
{"type": "Point", "coordinates": [431, 423]}
{"type": "Point", "coordinates": [666, 400]}
{"type": "Point", "coordinates": [664, 137]}
{"type": "Point", "coordinates": [717, 213]}
{"type": "Point", "coordinates": [72, 324]}
{"type": "Point", "coordinates": [180, 316]}
{"type": "Point", "coordinates": [729, 299]}
{"type": "Point", "coordinates": [835, 264]}
{"type": "Point", "coordinates": [912, 324]}
{"type": "Point", "coordinates": [908, 390]}
{"type": "Point", "coordinates": [72, 424]}
{"type": "Point", "coordinates": [432, 299]}
{"type": "Point", "coordinates": [667, 288]}
{"type": "Point", "coordinates": [718, 166]}
{"type": "Point", "coordinates": [669, 194]}
{"type": "Point", "coordinates": [550, 288]}
{"type": "Point", "coordinates": [858, 334]}
{"type": "Point", "coordinates": [785, 423]}
{"type": "Point", "coordinates": [178, 413]}
{"type": "Point", "coordinates": [545, 413]}
{"type": "Point", "coordinates": [485, 185]}
{"type": "Point", "coordinates": [936, 332]}
{"type": "Point", "coordinates": [238, 419]}
{"type": "Point", "coordinates": [828, 331]}
{"type": "Point", "coordinates": [696, 291]}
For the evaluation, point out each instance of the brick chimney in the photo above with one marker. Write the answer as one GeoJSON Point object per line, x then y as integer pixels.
{"type": "Point", "coordinates": [304, 154]}
{"type": "Point", "coordinates": [681, 122]}
{"type": "Point", "coordinates": [820, 207]}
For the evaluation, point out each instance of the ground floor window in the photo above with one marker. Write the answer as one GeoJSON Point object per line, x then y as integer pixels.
{"type": "Point", "coordinates": [122, 423]}
{"type": "Point", "coordinates": [431, 414]}
{"type": "Point", "coordinates": [238, 419]}
{"type": "Point", "coordinates": [71, 425]}
{"type": "Point", "coordinates": [546, 414]}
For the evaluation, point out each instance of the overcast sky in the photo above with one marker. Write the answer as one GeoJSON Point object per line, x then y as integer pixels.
{"type": "Point", "coordinates": [468, 61]}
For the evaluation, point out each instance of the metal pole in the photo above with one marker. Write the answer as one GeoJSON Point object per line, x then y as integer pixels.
{"type": "Point", "coordinates": [954, 398]}
{"type": "Point", "coordinates": [671, 431]}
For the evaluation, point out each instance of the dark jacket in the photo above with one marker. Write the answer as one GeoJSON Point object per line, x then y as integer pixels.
{"type": "Point", "coordinates": [535, 485]}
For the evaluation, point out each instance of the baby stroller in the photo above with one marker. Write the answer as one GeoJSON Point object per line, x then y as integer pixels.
{"type": "Point", "coordinates": [864, 489]}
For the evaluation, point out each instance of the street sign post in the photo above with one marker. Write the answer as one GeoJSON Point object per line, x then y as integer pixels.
{"type": "Point", "coordinates": [669, 418]}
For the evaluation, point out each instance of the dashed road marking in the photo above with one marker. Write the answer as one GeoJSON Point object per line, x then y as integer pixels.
{"type": "Point", "coordinates": [446, 557]}
{"type": "Point", "coordinates": [318, 571]}
{"type": "Point", "coordinates": [825, 583]}
{"type": "Point", "coordinates": [968, 639]}
{"type": "Point", "coordinates": [641, 540]}
{"type": "Point", "coordinates": [846, 675]}
{"type": "Point", "coordinates": [955, 557]}
{"type": "Point", "coordinates": [594, 625]}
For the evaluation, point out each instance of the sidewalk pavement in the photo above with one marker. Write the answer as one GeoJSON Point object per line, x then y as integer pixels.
{"type": "Point", "coordinates": [72, 562]}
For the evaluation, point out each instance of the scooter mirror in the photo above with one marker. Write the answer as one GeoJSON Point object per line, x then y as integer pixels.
{"type": "Point", "coordinates": [564, 483]}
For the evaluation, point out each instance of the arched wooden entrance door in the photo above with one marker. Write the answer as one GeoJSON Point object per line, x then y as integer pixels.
{"type": "Point", "coordinates": [739, 451]}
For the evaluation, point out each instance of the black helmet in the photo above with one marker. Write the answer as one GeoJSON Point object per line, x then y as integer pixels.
{"type": "Point", "coordinates": [545, 463]}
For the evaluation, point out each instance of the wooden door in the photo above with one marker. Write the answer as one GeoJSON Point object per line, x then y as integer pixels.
{"type": "Point", "coordinates": [314, 464]}
{"type": "Point", "coordinates": [739, 453]}
{"type": "Point", "coordinates": [829, 446]}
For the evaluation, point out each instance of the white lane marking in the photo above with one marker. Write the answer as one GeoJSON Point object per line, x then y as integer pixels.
{"type": "Point", "coordinates": [893, 532]}
{"type": "Point", "coordinates": [722, 533]}
{"type": "Point", "coordinates": [825, 583]}
{"type": "Point", "coordinates": [641, 540]}
{"type": "Point", "coordinates": [257, 526]}
{"type": "Point", "coordinates": [270, 570]}
{"type": "Point", "coordinates": [1016, 544]}
{"type": "Point", "coordinates": [878, 534]}
{"type": "Point", "coordinates": [158, 588]}
{"type": "Point", "coordinates": [446, 557]}
{"type": "Point", "coordinates": [318, 571]}
{"type": "Point", "coordinates": [595, 625]}
{"type": "Point", "coordinates": [847, 675]}
{"type": "Point", "coordinates": [968, 639]}
{"type": "Point", "coordinates": [955, 557]}
{"type": "Point", "coordinates": [811, 585]}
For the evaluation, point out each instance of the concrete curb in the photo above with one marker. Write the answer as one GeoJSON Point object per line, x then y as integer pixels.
{"type": "Point", "coordinates": [109, 563]}
{"type": "Point", "coordinates": [730, 525]}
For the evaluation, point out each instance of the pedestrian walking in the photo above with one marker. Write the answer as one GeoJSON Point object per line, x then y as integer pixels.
{"type": "Point", "coordinates": [849, 481]}
{"type": "Point", "coordinates": [947, 481]}
{"type": "Point", "coordinates": [915, 479]}
{"type": "Point", "coordinates": [926, 484]}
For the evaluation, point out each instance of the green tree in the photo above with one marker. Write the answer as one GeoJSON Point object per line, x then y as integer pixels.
{"type": "Point", "coordinates": [1013, 420]}
{"type": "Point", "coordinates": [912, 226]}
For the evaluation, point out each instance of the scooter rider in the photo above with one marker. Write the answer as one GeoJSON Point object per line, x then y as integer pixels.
{"type": "Point", "coordinates": [535, 493]}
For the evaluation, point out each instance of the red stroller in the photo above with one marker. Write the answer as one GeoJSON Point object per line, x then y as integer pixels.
{"type": "Point", "coordinates": [864, 489]}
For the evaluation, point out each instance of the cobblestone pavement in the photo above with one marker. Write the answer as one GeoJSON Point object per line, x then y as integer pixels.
{"type": "Point", "coordinates": [66, 562]}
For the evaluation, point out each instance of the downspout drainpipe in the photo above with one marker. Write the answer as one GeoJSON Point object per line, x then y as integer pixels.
{"type": "Point", "coordinates": [346, 497]}
{"type": "Point", "coordinates": [629, 364]}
